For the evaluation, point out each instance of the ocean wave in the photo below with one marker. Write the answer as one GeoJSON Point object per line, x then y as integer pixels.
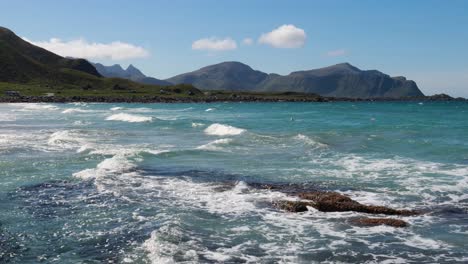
{"type": "Point", "coordinates": [79, 103]}
{"type": "Point", "coordinates": [74, 110]}
{"type": "Point", "coordinates": [194, 124]}
{"type": "Point", "coordinates": [223, 130]}
{"type": "Point", "coordinates": [129, 118]}
{"type": "Point", "coordinates": [209, 109]}
{"type": "Point", "coordinates": [310, 141]}
{"type": "Point", "coordinates": [117, 164]}
{"type": "Point", "coordinates": [66, 139]}
{"type": "Point", "coordinates": [27, 141]}
{"type": "Point", "coordinates": [215, 145]}
{"type": "Point", "coordinates": [35, 106]}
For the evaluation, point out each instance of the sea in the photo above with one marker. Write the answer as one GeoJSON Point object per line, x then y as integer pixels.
{"type": "Point", "coordinates": [178, 183]}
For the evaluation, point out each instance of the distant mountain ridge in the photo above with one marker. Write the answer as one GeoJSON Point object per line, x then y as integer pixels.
{"type": "Point", "coordinates": [340, 80]}
{"type": "Point", "coordinates": [223, 76]}
{"type": "Point", "coordinates": [22, 62]}
{"type": "Point", "coordinates": [131, 73]}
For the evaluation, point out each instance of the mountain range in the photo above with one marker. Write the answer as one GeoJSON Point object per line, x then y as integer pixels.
{"type": "Point", "coordinates": [340, 80]}
{"type": "Point", "coordinates": [131, 73]}
{"type": "Point", "coordinates": [22, 62]}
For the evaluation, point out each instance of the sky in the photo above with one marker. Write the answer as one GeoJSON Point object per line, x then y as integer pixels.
{"type": "Point", "coordinates": [426, 41]}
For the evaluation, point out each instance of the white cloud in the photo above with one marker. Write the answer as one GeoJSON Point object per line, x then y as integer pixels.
{"type": "Point", "coordinates": [336, 53]}
{"type": "Point", "coordinates": [247, 41]}
{"type": "Point", "coordinates": [214, 44]}
{"type": "Point", "coordinates": [285, 36]}
{"type": "Point", "coordinates": [80, 48]}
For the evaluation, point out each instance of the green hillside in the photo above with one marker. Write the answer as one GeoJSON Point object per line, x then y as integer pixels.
{"type": "Point", "coordinates": [34, 71]}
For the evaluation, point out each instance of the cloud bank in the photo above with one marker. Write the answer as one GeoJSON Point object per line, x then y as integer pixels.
{"type": "Point", "coordinates": [80, 48]}
{"type": "Point", "coordinates": [285, 36]}
{"type": "Point", "coordinates": [214, 44]}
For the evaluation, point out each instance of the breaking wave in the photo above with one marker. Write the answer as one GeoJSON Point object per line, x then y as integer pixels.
{"type": "Point", "coordinates": [129, 118]}
{"type": "Point", "coordinates": [223, 130]}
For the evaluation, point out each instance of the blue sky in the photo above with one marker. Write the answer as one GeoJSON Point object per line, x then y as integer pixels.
{"type": "Point", "coordinates": [426, 41]}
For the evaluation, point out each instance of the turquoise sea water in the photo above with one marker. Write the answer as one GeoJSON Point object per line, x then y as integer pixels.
{"type": "Point", "coordinates": [164, 183]}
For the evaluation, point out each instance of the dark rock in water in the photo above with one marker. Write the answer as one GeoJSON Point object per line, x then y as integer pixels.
{"type": "Point", "coordinates": [292, 206]}
{"type": "Point", "coordinates": [379, 221]}
{"type": "Point", "coordinates": [335, 202]}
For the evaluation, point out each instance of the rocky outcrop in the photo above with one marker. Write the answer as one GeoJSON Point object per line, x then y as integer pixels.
{"type": "Point", "coordinates": [378, 221]}
{"type": "Point", "coordinates": [292, 206]}
{"type": "Point", "coordinates": [336, 202]}
{"type": "Point", "coordinates": [327, 201]}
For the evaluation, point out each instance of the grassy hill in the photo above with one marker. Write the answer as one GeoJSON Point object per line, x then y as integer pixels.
{"type": "Point", "coordinates": [34, 71]}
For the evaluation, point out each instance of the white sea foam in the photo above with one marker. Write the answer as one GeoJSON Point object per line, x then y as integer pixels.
{"type": "Point", "coordinates": [118, 164]}
{"type": "Point", "coordinates": [424, 243]}
{"type": "Point", "coordinates": [162, 251]}
{"type": "Point", "coordinates": [79, 103]}
{"type": "Point", "coordinates": [209, 109]}
{"type": "Point", "coordinates": [74, 110]}
{"type": "Point", "coordinates": [129, 118]}
{"type": "Point", "coordinates": [81, 123]}
{"type": "Point", "coordinates": [35, 106]}
{"type": "Point", "coordinates": [197, 124]}
{"type": "Point", "coordinates": [223, 130]}
{"type": "Point", "coordinates": [6, 117]}
{"type": "Point", "coordinates": [66, 139]}
{"type": "Point", "coordinates": [216, 145]}
{"type": "Point", "coordinates": [31, 141]}
{"type": "Point", "coordinates": [116, 108]}
{"type": "Point", "coordinates": [310, 141]}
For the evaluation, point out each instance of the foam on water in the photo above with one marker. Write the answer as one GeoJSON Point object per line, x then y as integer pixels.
{"type": "Point", "coordinates": [216, 145]}
{"type": "Point", "coordinates": [199, 217]}
{"type": "Point", "coordinates": [34, 106]}
{"type": "Point", "coordinates": [118, 164]}
{"type": "Point", "coordinates": [129, 118]}
{"type": "Point", "coordinates": [74, 110]}
{"type": "Point", "coordinates": [223, 130]}
{"type": "Point", "coordinates": [194, 124]}
{"type": "Point", "coordinates": [66, 139]}
{"type": "Point", "coordinates": [310, 141]}
{"type": "Point", "coordinates": [79, 103]}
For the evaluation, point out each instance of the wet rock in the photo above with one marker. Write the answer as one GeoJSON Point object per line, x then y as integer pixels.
{"type": "Point", "coordinates": [336, 202]}
{"type": "Point", "coordinates": [292, 206]}
{"type": "Point", "coordinates": [379, 221]}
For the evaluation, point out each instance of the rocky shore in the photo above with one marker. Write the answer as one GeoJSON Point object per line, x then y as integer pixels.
{"type": "Point", "coordinates": [328, 201]}
{"type": "Point", "coordinates": [210, 99]}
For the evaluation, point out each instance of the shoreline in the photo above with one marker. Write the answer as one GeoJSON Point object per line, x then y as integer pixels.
{"type": "Point", "coordinates": [245, 99]}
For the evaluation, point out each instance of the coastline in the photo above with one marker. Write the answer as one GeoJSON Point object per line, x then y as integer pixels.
{"type": "Point", "coordinates": [214, 99]}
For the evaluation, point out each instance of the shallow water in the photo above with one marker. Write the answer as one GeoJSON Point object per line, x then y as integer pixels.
{"type": "Point", "coordinates": [164, 183]}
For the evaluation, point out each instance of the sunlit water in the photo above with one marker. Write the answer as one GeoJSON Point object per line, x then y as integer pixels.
{"type": "Point", "coordinates": [164, 183]}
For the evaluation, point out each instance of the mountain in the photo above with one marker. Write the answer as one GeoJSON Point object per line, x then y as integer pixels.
{"type": "Point", "coordinates": [340, 80]}
{"type": "Point", "coordinates": [223, 76]}
{"type": "Point", "coordinates": [29, 70]}
{"type": "Point", "coordinates": [131, 73]}
{"type": "Point", "coordinates": [20, 61]}
{"type": "Point", "coordinates": [343, 80]}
